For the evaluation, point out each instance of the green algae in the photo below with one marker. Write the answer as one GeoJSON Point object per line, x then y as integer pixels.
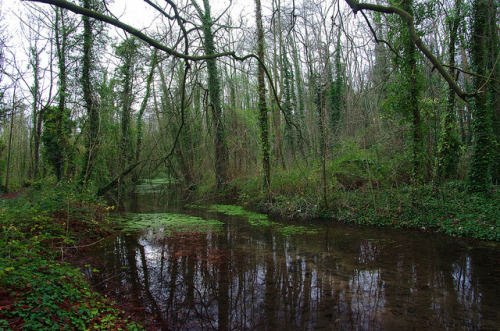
{"type": "Point", "coordinates": [231, 210]}
{"type": "Point", "coordinates": [289, 230]}
{"type": "Point", "coordinates": [170, 223]}
{"type": "Point", "coordinates": [262, 220]}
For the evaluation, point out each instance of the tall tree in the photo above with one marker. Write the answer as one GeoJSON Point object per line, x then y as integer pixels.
{"type": "Point", "coordinates": [412, 94]}
{"type": "Point", "coordinates": [449, 143]}
{"type": "Point", "coordinates": [479, 171]}
{"type": "Point", "coordinates": [214, 92]}
{"type": "Point", "coordinates": [264, 122]}
{"type": "Point", "coordinates": [140, 121]}
{"type": "Point", "coordinates": [64, 26]}
{"type": "Point", "coordinates": [336, 89]}
{"type": "Point", "coordinates": [128, 53]}
{"type": "Point", "coordinates": [91, 106]}
{"type": "Point", "coordinates": [38, 109]}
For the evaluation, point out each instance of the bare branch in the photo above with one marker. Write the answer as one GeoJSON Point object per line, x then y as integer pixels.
{"type": "Point", "coordinates": [357, 6]}
{"type": "Point", "coordinates": [154, 43]}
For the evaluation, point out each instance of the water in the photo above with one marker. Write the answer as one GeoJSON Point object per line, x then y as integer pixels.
{"type": "Point", "coordinates": [343, 277]}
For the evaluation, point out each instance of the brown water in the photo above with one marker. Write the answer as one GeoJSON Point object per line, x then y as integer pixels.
{"type": "Point", "coordinates": [343, 278]}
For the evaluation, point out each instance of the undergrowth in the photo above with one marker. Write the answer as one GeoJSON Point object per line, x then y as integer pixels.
{"type": "Point", "coordinates": [367, 187]}
{"type": "Point", "coordinates": [38, 290]}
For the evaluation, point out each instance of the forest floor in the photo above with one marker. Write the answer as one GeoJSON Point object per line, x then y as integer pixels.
{"type": "Point", "coordinates": [40, 232]}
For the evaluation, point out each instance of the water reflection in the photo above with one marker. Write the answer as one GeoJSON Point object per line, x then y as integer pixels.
{"type": "Point", "coordinates": [244, 278]}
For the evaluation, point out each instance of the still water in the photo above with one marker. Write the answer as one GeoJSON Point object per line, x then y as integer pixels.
{"type": "Point", "coordinates": [337, 277]}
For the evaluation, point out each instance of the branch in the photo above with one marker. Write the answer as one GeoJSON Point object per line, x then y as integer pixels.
{"type": "Point", "coordinates": [377, 40]}
{"type": "Point", "coordinates": [356, 6]}
{"type": "Point", "coordinates": [115, 181]}
{"type": "Point", "coordinates": [471, 73]}
{"type": "Point", "coordinates": [154, 43]}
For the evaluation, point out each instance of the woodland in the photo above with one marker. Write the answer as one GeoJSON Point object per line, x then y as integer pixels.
{"type": "Point", "coordinates": [385, 113]}
{"type": "Point", "coordinates": [318, 108]}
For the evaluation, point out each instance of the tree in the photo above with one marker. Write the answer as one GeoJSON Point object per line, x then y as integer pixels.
{"type": "Point", "coordinates": [56, 130]}
{"type": "Point", "coordinates": [336, 90]}
{"type": "Point", "coordinates": [482, 157]}
{"type": "Point", "coordinates": [140, 122]}
{"type": "Point", "coordinates": [64, 27]}
{"type": "Point", "coordinates": [128, 53]}
{"type": "Point", "coordinates": [264, 123]}
{"type": "Point", "coordinates": [221, 154]}
{"type": "Point", "coordinates": [449, 143]}
{"type": "Point", "coordinates": [92, 108]}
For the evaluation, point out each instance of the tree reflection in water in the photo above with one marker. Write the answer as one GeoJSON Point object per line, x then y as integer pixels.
{"type": "Point", "coordinates": [249, 278]}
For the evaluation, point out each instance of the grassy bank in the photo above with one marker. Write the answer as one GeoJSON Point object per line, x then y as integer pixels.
{"type": "Point", "coordinates": [357, 192]}
{"type": "Point", "coordinates": [39, 231]}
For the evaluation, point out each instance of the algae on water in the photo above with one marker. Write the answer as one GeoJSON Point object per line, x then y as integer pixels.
{"type": "Point", "coordinates": [170, 223]}
{"type": "Point", "coordinates": [256, 219]}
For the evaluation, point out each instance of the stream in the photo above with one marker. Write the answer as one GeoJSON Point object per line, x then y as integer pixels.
{"type": "Point", "coordinates": [244, 272]}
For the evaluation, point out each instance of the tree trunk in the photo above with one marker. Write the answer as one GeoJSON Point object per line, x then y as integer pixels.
{"type": "Point", "coordinates": [264, 123]}
{"type": "Point", "coordinates": [92, 141]}
{"type": "Point", "coordinates": [220, 144]}
{"type": "Point", "coordinates": [448, 148]}
{"type": "Point", "coordinates": [479, 171]}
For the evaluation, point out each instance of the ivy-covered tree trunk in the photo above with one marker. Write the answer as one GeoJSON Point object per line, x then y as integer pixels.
{"type": "Point", "coordinates": [336, 90]}
{"type": "Point", "coordinates": [127, 52]}
{"type": "Point", "coordinates": [264, 123]}
{"type": "Point", "coordinates": [479, 171]}
{"type": "Point", "coordinates": [37, 111]}
{"type": "Point", "coordinates": [449, 142]}
{"type": "Point", "coordinates": [494, 41]}
{"type": "Point", "coordinates": [62, 153]}
{"type": "Point", "coordinates": [410, 72]}
{"type": "Point", "coordinates": [149, 81]}
{"type": "Point", "coordinates": [92, 135]}
{"type": "Point", "coordinates": [221, 153]}
{"type": "Point", "coordinates": [288, 103]}
{"type": "Point", "coordinates": [320, 102]}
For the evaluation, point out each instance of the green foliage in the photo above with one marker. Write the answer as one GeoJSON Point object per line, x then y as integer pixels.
{"type": "Point", "coordinates": [482, 106]}
{"type": "Point", "coordinates": [371, 186]}
{"type": "Point", "coordinates": [38, 292]}
{"type": "Point", "coordinates": [55, 138]}
{"type": "Point", "coordinates": [47, 295]}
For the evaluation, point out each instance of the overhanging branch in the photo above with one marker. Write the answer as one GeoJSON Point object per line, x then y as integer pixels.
{"type": "Point", "coordinates": [154, 43]}
{"type": "Point", "coordinates": [357, 6]}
